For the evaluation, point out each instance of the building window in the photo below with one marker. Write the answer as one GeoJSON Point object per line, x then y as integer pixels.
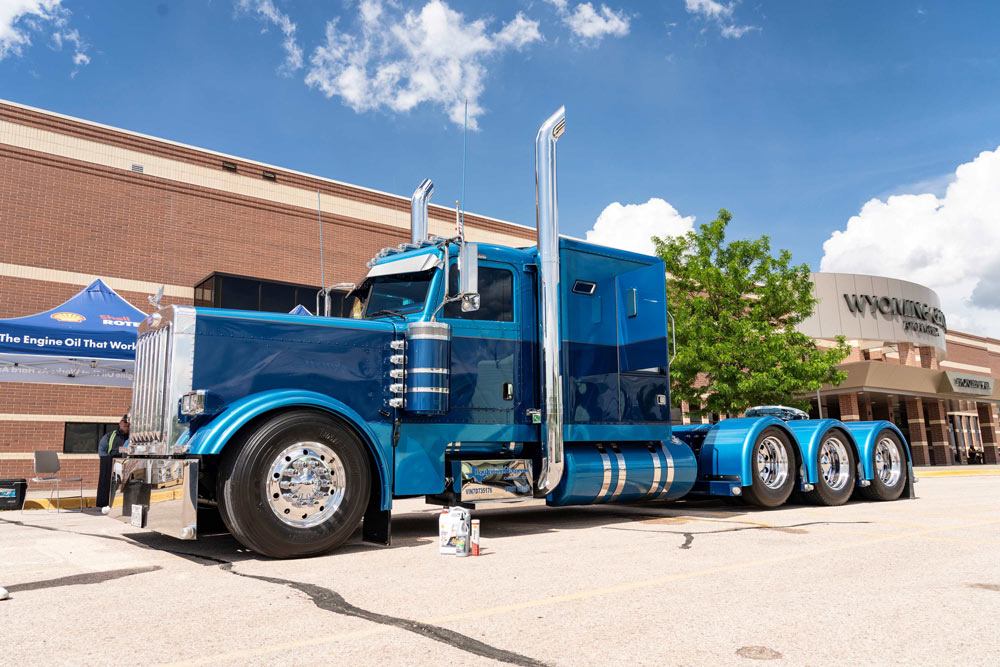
{"type": "Point", "coordinates": [82, 438]}
{"type": "Point", "coordinates": [223, 290]}
{"type": "Point", "coordinates": [496, 296]}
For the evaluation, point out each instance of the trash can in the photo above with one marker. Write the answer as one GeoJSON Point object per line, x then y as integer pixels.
{"type": "Point", "coordinates": [12, 493]}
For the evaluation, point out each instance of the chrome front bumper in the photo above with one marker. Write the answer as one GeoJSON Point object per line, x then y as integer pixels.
{"type": "Point", "coordinates": [160, 494]}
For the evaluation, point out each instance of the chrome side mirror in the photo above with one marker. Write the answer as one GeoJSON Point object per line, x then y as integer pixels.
{"type": "Point", "coordinates": [468, 276]}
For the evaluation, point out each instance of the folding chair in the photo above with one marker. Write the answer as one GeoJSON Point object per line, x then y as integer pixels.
{"type": "Point", "coordinates": [47, 463]}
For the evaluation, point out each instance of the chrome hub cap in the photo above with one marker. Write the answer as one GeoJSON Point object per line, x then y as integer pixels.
{"type": "Point", "coordinates": [834, 463]}
{"type": "Point", "coordinates": [772, 462]}
{"type": "Point", "coordinates": [305, 485]}
{"type": "Point", "coordinates": [888, 461]}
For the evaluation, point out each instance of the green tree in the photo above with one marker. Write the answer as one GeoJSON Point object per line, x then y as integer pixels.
{"type": "Point", "coordinates": [736, 307]}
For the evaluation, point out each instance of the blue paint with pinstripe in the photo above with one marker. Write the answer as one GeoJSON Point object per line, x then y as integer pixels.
{"type": "Point", "coordinates": [584, 474]}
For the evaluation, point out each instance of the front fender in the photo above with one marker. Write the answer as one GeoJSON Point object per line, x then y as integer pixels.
{"type": "Point", "coordinates": [726, 451]}
{"type": "Point", "coordinates": [210, 438]}
{"type": "Point", "coordinates": [865, 434]}
{"type": "Point", "coordinates": [810, 434]}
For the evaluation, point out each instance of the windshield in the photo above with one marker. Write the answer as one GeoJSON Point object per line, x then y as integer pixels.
{"type": "Point", "coordinates": [400, 293]}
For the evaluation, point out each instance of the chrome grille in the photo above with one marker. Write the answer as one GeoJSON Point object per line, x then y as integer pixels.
{"type": "Point", "coordinates": [151, 393]}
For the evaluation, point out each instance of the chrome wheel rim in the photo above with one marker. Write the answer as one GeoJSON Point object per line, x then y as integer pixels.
{"type": "Point", "coordinates": [834, 463]}
{"type": "Point", "coordinates": [888, 461]}
{"type": "Point", "coordinates": [306, 484]}
{"type": "Point", "coordinates": [772, 462]}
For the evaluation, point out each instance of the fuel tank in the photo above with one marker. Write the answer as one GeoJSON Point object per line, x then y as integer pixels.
{"type": "Point", "coordinates": [625, 473]}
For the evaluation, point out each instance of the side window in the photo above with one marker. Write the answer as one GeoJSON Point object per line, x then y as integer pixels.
{"type": "Point", "coordinates": [496, 296]}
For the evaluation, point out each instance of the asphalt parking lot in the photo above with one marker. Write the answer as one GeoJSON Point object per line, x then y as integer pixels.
{"type": "Point", "coordinates": [915, 581]}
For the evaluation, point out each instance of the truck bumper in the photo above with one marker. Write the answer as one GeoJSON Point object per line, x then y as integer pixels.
{"type": "Point", "coordinates": [160, 494]}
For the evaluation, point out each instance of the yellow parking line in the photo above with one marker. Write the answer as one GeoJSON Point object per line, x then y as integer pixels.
{"type": "Point", "coordinates": [965, 472]}
{"type": "Point", "coordinates": [957, 540]}
{"type": "Point", "coordinates": [579, 595]}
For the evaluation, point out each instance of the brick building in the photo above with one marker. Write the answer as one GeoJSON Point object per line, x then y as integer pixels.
{"type": "Point", "coordinates": [80, 200]}
{"type": "Point", "coordinates": [937, 385]}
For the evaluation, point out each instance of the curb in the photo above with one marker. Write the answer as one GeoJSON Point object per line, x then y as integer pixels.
{"type": "Point", "coordinates": [91, 501]}
{"type": "Point", "coordinates": [956, 473]}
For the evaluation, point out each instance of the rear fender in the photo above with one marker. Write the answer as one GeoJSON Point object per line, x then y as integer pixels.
{"type": "Point", "coordinates": [212, 437]}
{"type": "Point", "coordinates": [866, 435]}
{"type": "Point", "coordinates": [726, 452]}
{"type": "Point", "coordinates": [810, 434]}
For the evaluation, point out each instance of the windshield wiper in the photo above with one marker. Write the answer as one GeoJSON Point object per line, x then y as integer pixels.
{"type": "Point", "coordinates": [386, 312]}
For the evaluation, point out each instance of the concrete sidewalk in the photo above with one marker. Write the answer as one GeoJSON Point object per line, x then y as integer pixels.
{"type": "Point", "coordinates": [39, 499]}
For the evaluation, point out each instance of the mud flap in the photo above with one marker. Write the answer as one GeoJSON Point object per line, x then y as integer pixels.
{"type": "Point", "coordinates": [376, 527]}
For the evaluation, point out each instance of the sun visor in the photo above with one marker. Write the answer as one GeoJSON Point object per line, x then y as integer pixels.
{"type": "Point", "coordinates": [405, 265]}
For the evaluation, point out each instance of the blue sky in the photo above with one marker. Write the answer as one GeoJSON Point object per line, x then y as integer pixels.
{"type": "Point", "coordinates": [793, 115]}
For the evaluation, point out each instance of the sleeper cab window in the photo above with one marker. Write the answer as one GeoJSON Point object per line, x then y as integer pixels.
{"type": "Point", "coordinates": [496, 296]}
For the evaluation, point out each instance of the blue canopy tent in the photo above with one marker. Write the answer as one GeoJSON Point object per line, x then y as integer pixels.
{"type": "Point", "coordinates": [87, 340]}
{"type": "Point", "coordinates": [299, 310]}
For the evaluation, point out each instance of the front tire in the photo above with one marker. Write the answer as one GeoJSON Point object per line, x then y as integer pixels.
{"type": "Point", "coordinates": [773, 467]}
{"type": "Point", "coordinates": [889, 467]}
{"type": "Point", "coordinates": [837, 467]}
{"type": "Point", "coordinates": [296, 485]}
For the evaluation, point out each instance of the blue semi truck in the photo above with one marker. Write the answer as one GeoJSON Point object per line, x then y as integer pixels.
{"type": "Point", "coordinates": [469, 373]}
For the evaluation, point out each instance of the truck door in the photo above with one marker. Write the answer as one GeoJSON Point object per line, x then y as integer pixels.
{"type": "Point", "coordinates": [485, 349]}
{"type": "Point", "coordinates": [642, 345]}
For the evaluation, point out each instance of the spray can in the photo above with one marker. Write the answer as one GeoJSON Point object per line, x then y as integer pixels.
{"type": "Point", "coordinates": [460, 518]}
{"type": "Point", "coordinates": [474, 537]}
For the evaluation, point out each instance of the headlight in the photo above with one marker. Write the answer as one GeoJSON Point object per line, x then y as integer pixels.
{"type": "Point", "coordinates": [193, 403]}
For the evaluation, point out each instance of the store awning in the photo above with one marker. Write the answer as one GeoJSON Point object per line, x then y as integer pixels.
{"type": "Point", "coordinates": [89, 339]}
{"type": "Point", "coordinates": [885, 377]}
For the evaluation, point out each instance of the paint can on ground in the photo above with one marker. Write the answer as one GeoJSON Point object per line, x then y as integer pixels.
{"type": "Point", "coordinates": [474, 537]}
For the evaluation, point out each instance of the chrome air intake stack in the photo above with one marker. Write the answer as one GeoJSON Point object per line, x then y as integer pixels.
{"type": "Point", "coordinates": [547, 208]}
{"type": "Point", "coordinates": [418, 211]}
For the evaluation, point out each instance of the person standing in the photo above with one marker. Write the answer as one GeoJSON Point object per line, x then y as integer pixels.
{"type": "Point", "coordinates": [107, 450]}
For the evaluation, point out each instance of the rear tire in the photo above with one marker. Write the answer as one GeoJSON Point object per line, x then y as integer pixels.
{"type": "Point", "coordinates": [836, 468]}
{"type": "Point", "coordinates": [297, 485]}
{"type": "Point", "coordinates": [889, 467]}
{"type": "Point", "coordinates": [773, 467]}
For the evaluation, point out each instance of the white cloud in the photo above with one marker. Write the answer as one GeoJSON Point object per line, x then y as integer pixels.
{"type": "Point", "coordinates": [720, 14]}
{"type": "Point", "coordinates": [20, 19]}
{"type": "Point", "coordinates": [395, 62]}
{"type": "Point", "coordinates": [72, 38]}
{"type": "Point", "coordinates": [519, 33]}
{"type": "Point", "coordinates": [709, 8]}
{"type": "Point", "coordinates": [632, 227]}
{"type": "Point", "coordinates": [592, 25]}
{"type": "Point", "coordinates": [948, 243]}
{"type": "Point", "coordinates": [266, 11]}
{"type": "Point", "coordinates": [736, 31]}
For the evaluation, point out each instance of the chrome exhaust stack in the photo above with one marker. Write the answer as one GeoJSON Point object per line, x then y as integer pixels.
{"type": "Point", "coordinates": [418, 211]}
{"type": "Point", "coordinates": [547, 212]}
